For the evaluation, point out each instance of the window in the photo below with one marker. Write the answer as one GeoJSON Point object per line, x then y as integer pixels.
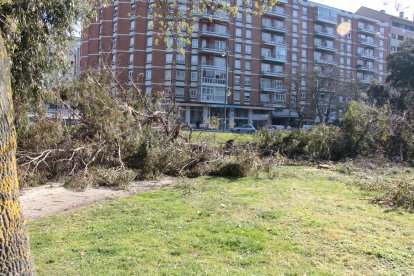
{"type": "Point", "coordinates": [305, 11]}
{"type": "Point", "coordinates": [248, 49]}
{"type": "Point", "coordinates": [131, 41]}
{"type": "Point", "coordinates": [239, 17]}
{"type": "Point", "coordinates": [238, 32]}
{"type": "Point", "coordinates": [131, 58]}
{"type": "Point", "coordinates": [295, 27]}
{"type": "Point", "coordinates": [248, 34]}
{"type": "Point", "coordinates": [248, 19]}
{"type": "Point", "coordinates": [149, 41]}
{"type": "Point", "coordinates": [295, 42]}
{"type": "Point", "coordinates": [246, 80]}
{"type": "Point", "coordinates": [294, 57]}
{"type": "Point", "coordinates": [149, 58]}
{"type": "Point", "coordinates": [168, 58]}
{"type": "Point", "coordinates": [237, 80]}
{"type": "Point", "coordinates": [193, 92]}
{"type": "Point", "coordinates": [247, 65]}
{"type": "Point", "coordinates": [303, 53]}
{"type": "Point", "coordinates": [179, 93]}
{"type": "Point", "coordinates": [180, 75]}
{"type": "Point", "coordinates": [132, 25]}
{"type": "Point", "coordinates": [304, 25]}
{"type": "Point", "coordinates": [167, 75]}
{"type": "Point", "coordinates": [193, 76]}
{"type": "Point", "coordinates": [180, 59]}
{"type": "Point", "coordinates": [194, 43]}
{"type": "Point", "coordinates": [238, 48]}
{"type": "Point", "coordinates": [148, 75]}
{"type": "Point", "coordinates": [237, 64]}
{"type": "Point", "coordinates": [130, 73]}
{"type": "Point", "coordinates": [194, 60]}
{"type": "Point", "coordinates": [295, 13]}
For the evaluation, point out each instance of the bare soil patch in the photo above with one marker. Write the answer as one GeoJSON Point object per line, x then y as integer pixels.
{"type": "Point", "coordinates": [53, 198]}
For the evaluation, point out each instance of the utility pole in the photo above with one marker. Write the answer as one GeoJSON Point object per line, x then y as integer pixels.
{"type": "Point", "coordinates": [226, 54]}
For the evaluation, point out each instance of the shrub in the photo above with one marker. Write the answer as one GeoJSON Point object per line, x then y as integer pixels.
{"type": "Point", "coordinates": [77, 182]}
{"type": "Point", "coordinates": [402, 195]}
{"type": "Point", "coordinates": [114, 178]}
{"type": "Point", "coordinates": [232, 169]}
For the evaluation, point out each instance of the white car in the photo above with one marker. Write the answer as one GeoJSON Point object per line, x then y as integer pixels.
{"type": "Point", "coordinates": [244, 129]}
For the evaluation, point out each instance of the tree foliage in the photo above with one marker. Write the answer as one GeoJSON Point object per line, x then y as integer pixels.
{"type": "Point", "coordinates": [401, 66]}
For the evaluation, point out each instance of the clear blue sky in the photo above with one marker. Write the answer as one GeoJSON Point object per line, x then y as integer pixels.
{"type": "Point", "coordinates": [388, 5]}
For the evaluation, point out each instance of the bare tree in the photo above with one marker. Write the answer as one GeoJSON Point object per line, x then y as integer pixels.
{"type": "Point", "coordinates": [325, 86]}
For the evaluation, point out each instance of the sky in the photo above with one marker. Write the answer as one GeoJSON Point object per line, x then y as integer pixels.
{"type": "Point", "coordinates": [388, 5]}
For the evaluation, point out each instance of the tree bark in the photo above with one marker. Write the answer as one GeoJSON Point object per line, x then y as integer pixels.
{"type": "Point", "coordinates": [15, 258]}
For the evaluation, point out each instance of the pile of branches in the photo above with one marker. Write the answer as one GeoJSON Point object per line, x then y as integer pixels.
{"type": "Point", "coordinates": [106, 130]}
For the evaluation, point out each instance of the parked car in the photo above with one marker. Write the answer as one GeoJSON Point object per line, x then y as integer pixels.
{"type": "Point", "coordinates": [307, 127]}
{"type": "Point", "coordinates": [274, 128]}
{"type": "Point", "coordinates": [244, 129]}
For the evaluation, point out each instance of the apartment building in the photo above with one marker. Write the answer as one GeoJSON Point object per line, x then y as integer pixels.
{"type": "Point", "coordinates": [239, 62]}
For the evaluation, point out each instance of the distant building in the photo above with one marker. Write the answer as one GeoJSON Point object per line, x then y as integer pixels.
{"type": "Point", "coordinates": [74, 58]}
{"type": "Point", "coordinates": [263, 52]}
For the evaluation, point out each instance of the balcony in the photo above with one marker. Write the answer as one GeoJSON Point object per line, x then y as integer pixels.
{"type": "Point", "coordinates": [367, 42]}
{"type": "Point", "coordinates": [365, 67]}
{"type": "Point", "coordinates": [325, 33]}
{"type": "Point", "coordinates": [279, 74]}
{"type": "Point", "coordinates": [212, 49]}
{"type": "Point", "coordinates": [212, 32]}
{"type": "Point", "coordinates": [283, 2]}
{"type": "Point", "coordinates": [277, 104]}
{"type": "Point", "coordinates": [273, 89]}
{"type": "Point", "coordinates": [365, 80]}
{"type": "Point", "coordinates": [222, 17]}
{"type": "Point", "coordinates": [370, 31]}
{"type": "Point", "coordinates": [325, 46]}
{"type": "Point", "coordinates": [207, 98]}
{"type": "Point", "coordinates": [326, 61]}
{"type": "Point", "coordinates": [274, 43]}
{"type": "Point", "coordinates": [280, 13]}
{"type": "Point", "coordinates": [366, 56]}
{"type": "Point", "coordinates": [212, 65]}
{"type": "Point", "coordinates": [275, 58]}
{"type": "Point", "coordinates": [274, 28]}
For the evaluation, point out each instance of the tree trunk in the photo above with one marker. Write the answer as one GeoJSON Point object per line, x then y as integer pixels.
{"type": "Point", "coordinates": [15, 258]}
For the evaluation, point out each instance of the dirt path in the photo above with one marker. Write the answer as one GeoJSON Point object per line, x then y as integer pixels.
{"type": "Point", "coordinates": [54, 198]}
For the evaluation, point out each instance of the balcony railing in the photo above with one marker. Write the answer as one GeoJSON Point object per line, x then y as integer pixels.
{"type": "Point", "coordinates": [325, 46]}
{"type": "Point", "coordinates": [367, 42]}
{"type": "Point", "coordinates": [366, 55]}
{"type": "Point", "coordinates": [213, 49]}
{"type": "Point", "coordinates": [272, 104]}
{"type": "Point", "coordinates": [212, 65]}
{"type": "Point", "coordinates": [326, 61]}
{"type": "Point", "coordinates": [277, 13]}
{"type": "Point", "coordinates": [325, 32]}
{"type": "Point", "coordinates": [367, 30]}
{"type": "Point", "coordinates": [274, 28]}
{"type": "Point", "coordinates": [273, 73]}
{"type": "Point", "coordinates": [273, 89]}
{"type": "Point", "coordinates": [215, 33]}
{"type": "Point", "coordinates": [216, 16]}
{"type": "Point", "coordinates": [207, 98]}
{"type": "Point", "coordinates": [275, 58]}
{"type": "Point", "coordinates": [274, 42]}
{"type": "Point", "coordinates": [364, 67]}
{"type": "Point", "coordinates": [365, 80]}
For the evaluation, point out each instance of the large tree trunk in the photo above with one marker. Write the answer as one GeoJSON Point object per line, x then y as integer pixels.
{"type": "Point", "coordinates": [15, 258]}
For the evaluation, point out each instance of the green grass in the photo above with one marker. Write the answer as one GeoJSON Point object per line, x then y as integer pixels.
{"type": "Point", "coordinates": [220, 138]}
{"type": "Point", "coordinates": [303, 221]}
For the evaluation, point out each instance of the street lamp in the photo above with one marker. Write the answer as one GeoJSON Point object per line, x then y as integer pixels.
{"type": "Point", "coordinates": [226, 54]}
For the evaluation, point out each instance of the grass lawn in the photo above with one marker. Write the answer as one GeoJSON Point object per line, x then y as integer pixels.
{"type": "Point", "coordinates": [303, 221]}
{"type": "Point", "coordinates": [220, 138]}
